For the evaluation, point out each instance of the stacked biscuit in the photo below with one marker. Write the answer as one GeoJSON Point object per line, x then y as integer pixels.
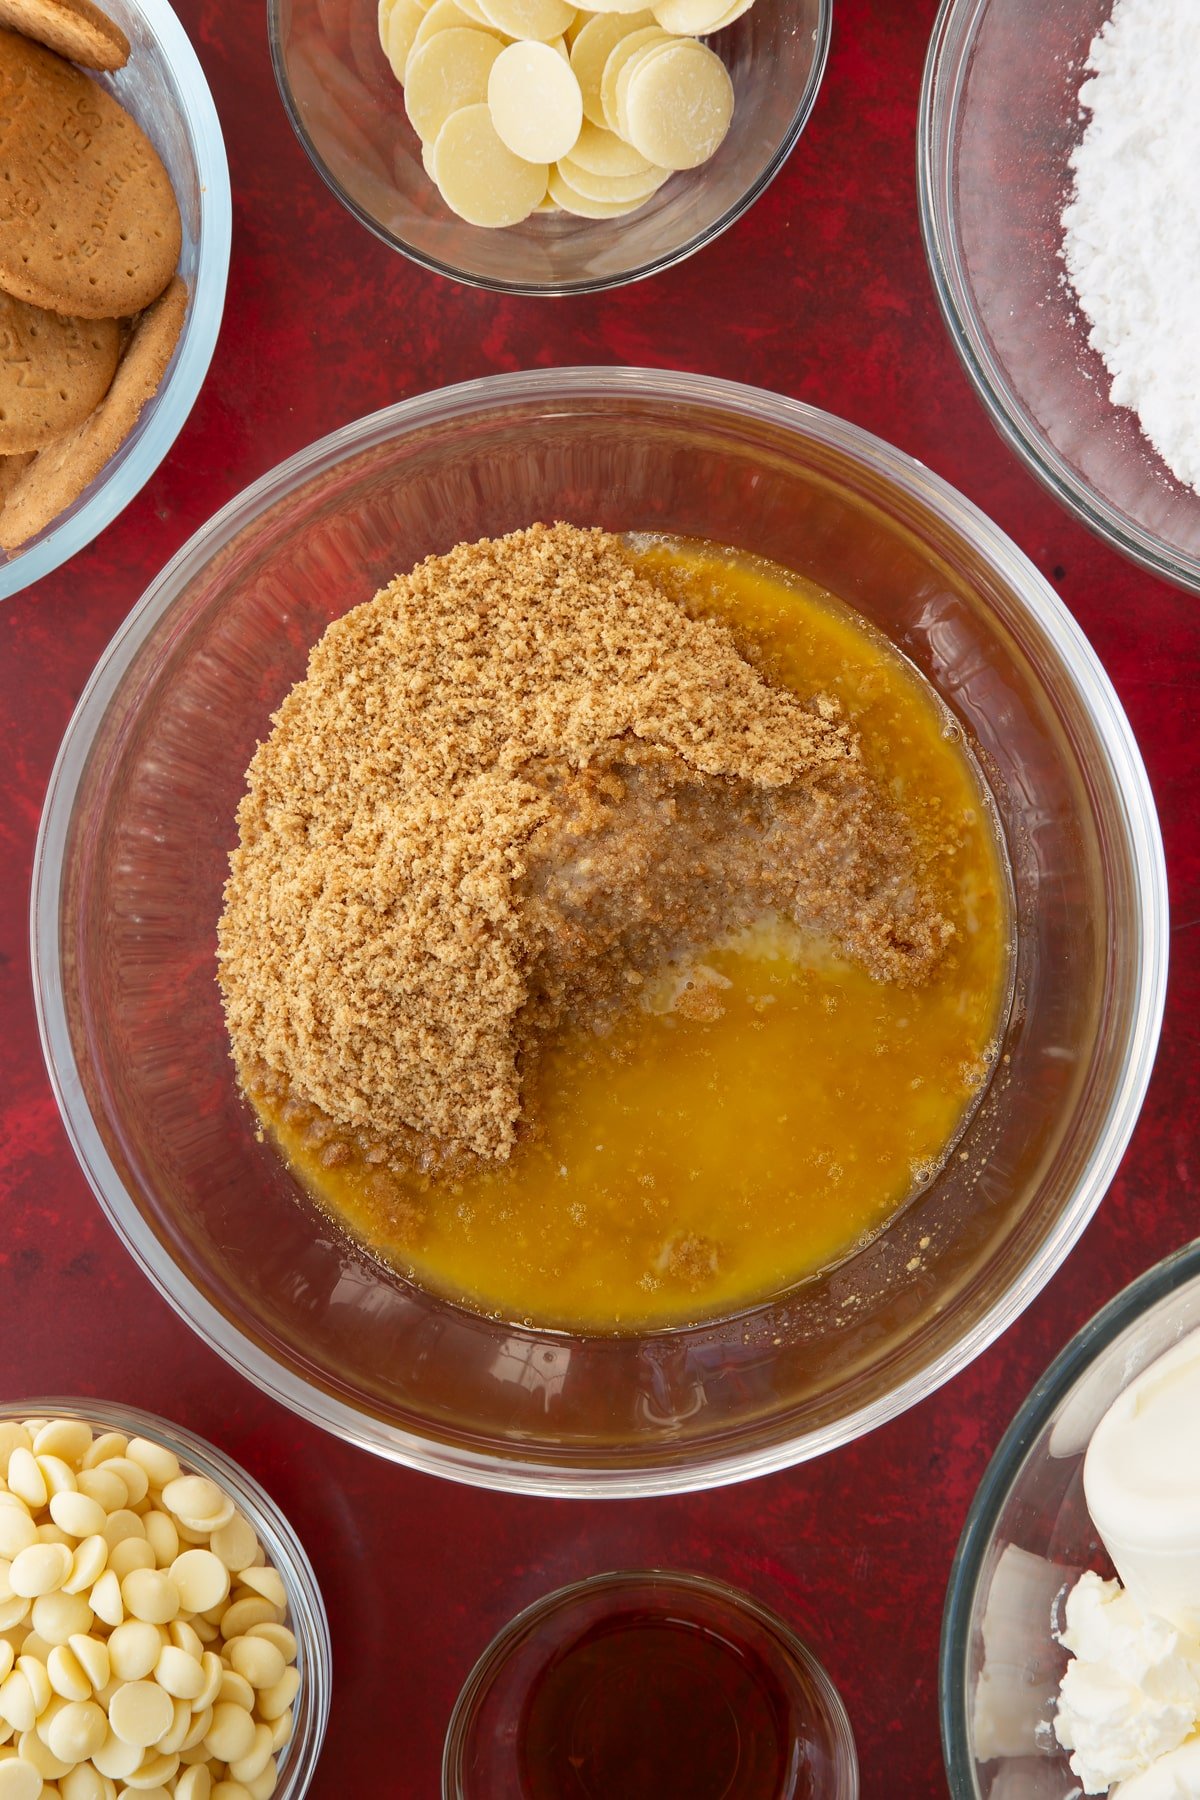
{"type": "Point", "coordinates": [527, 106]}
{"type": "Point", "coordinates": [90, 306]}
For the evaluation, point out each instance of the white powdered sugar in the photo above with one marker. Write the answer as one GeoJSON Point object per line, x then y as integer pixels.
{"type": "Point", "coordinates": [1132, 227]}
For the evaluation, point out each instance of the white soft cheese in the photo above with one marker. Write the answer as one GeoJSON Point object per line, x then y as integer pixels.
{"type": "Point", "coordinates": [1141, 1476]}
{"type": "Point", "coordinates": [1175, 1776]}
{"type": "Point", "coordinates": [1131, 1693]}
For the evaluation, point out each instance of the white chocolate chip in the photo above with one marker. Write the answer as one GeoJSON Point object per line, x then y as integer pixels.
{"type": "Point", "coordinates": [76, 1514]}
{"type": "Point", "coordinates": [201, 1580]}
{"type": "Point", "coordinates": [19, 1780]}
{"type": "Point", "coordinates": [140, 1712]}
{"type": "Point", "coordinates": [231, 1733]}
{"type": "Point", "coordinates": [41, 1569]}
{"type": "Point", "coordinates": [25, 1479]}
{"type": "Point", "coordinates": [133, 1650]}
{"type": "Point", "coordinates": [179, 1673]}
{"type": "Point", "coordinates": [57, 1617]}
{"type": "Point", "coordinates": [87, 1565]}
{"type": "Point", "coordinates": [78, 1731]}
{"type": "Point", "coordinates": [106, 1444]}
{"type": "Point", "coordinates": [160, 1464]}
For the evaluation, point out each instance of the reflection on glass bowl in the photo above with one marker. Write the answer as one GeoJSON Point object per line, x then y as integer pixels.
{"type": "Point", "coordinates": [347, 109]}
{"type": "Point", "coordinates": [1027, 1540]}
{"type": "Point", "coordinates": [999, 118]}
{"type": "Point", "coordinates": [132, 858]}
{"type": "Point", "coordinates": [163, 86]}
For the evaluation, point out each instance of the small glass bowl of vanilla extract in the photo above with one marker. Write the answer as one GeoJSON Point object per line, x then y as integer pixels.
{"type": "Point", "coordinates": [644, 1685]}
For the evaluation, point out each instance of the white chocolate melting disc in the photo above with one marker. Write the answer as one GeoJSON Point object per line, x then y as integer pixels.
{"type": "Point", "coordinates": [449, 72]}
{"type": "Point", "coordinates": [591, 46]}
{"type": "Point", "coordinates": [609, 188]}
{"type": "Point", "coordinates": [627, 48]}
{"type": "Point", "coordinates": [612, 6]}
{"type": "Point", "coordinates": [572, 201]}
{"type": "Point", "coordinates": [443, 15]}
{"type": "Point", "coordinates": [690, 18]}
{"type": "Point", "coordinates": [735, 12]}
{"type": "Point", "coordinates": [535, 102]}
{"type": "Point", "coordinates": [621, 86]}
{"type": "Point", "coordinates": [540, 19]}
{"type": "Point", "coordinates": [678, 105]}
{"type": "Point", "coordinates": [602, 152]}
{"type": "Point", "coordinates": [398, 32]}
{"type": "Point", "coordinates": [479, 177]}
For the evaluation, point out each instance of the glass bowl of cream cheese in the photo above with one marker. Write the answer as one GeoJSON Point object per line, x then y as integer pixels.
{"type": "Point", "coordinates": [1052, 137]}
{"type": "Point", "coordinates": [1070, 1657]}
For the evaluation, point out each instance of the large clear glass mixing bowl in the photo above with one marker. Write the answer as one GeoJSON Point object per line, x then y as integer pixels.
{"type": "Point", "coordinates": [132, 857]}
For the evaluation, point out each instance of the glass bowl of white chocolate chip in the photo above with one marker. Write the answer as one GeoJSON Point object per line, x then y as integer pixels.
{"type": "Point", "coordinates": [1071, 1642]}
{"type": "Point", "coordinates": [533, 146]}
{"type": "Point", "coordinates": [161, 1628]}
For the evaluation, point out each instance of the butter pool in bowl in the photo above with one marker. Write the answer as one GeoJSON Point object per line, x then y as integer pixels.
{"type": "Point", "coordinates": [133, 858]}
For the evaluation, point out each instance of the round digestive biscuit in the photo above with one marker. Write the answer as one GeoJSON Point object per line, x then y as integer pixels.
{"type": "Point", "coordinates": [542, 19]}
{"type": "Point", "coordinates": [535, 102]}
{"type": "Point", "coordinates": [478, 177]}
{"type": "Point", "coordinates": [90, 225]}
{"type": "Point", "coordinates": [53, 371]}
{"type": "Point", "coordinates": [628, 47]}
{"type": "Point", "coordinates": [74, 28]}
{"type": "Point", "coordinates": [59, 474]}
{"type": "Point", "coordinates": [678, 105]}
{"type": "Point", "coordinates": [591, 47]}
{"type": "Point", "coordinates": [448, 73]}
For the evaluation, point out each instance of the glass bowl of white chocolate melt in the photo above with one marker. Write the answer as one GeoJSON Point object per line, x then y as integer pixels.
{"type": "Point", "coordinates": [175, 1636]}
{"type": "Point", "coordinates": [133, 856]}
{"type": "Point", "coordinates": [348, 109]}
{"type": "Point", "coordinates": [1097, 1481]}
{"type": "Point", "coordinates": [1001, 118]}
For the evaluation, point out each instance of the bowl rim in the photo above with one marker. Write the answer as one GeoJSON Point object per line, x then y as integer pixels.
{"type": "Point", "coordinates": [561, 388]}
{"type": "Point", "coordinates": [942, 85]}
{"type": "Point", "coordinates": [115, 487]}
{"type": "Point", "coordinates": [305, 1602]}
{"type": "Point", "coordinates": [491, 1659]}
{"type": "Point", "coordinates": [1000, 1477]}
{"type": "Point", "coordinates": [557, 289]}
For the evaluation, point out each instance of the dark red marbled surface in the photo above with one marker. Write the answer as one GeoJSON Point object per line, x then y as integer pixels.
{"type": "Point", "coordinates": [822, 292]}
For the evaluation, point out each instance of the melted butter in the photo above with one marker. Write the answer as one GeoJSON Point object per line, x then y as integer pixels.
{"type": "Point", "coordinates": [688, 1166]}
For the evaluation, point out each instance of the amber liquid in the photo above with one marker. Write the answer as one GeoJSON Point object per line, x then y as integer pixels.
{"type": "Point", "coordinates": [648, 1705]}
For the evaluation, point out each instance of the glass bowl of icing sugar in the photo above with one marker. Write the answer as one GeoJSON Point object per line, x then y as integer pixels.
{"type": "Point", "coordinates": [1057, 154]}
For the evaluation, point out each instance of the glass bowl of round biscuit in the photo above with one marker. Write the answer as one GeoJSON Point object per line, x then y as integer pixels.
{"type": "Point", "coordinates": [133, 857]}
{"type": "Point", "coordinates": [347, 108]}
{"type": "Point", "coordinates": [164, 88]}
{"type": "Point", "coordinates": [183, 1593]}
